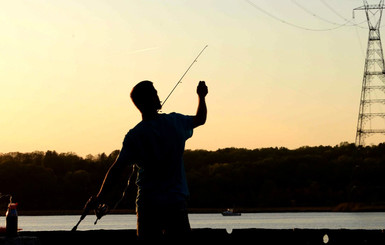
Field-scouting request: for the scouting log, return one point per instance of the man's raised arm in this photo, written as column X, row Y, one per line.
column 201, row 115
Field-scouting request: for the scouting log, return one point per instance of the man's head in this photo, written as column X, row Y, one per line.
column 145, row 97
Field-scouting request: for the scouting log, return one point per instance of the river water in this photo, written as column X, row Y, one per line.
column 308, row 220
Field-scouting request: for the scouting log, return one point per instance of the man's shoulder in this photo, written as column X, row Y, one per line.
column 182, row 121
column 176, row 115
column 135, row 130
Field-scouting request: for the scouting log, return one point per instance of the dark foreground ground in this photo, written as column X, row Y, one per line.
column 205, row 236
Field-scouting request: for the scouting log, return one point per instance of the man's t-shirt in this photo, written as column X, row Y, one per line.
column 156, row 147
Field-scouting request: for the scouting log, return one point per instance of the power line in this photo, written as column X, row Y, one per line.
column 317, row 16
column 342, row 17
column 332, row 9
column 289, row 23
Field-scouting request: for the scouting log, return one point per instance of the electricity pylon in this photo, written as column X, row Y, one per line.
column 371, row 116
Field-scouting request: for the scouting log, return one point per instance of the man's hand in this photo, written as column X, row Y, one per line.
column 202, row 89
column 100, row 211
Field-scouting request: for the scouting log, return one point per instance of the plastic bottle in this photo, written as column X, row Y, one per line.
column 11, row 220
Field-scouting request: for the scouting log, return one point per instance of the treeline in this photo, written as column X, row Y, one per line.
column 51, row 181
column 279, row 177
column 231, row 177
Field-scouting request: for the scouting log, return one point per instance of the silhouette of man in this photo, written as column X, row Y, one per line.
column 156, row 145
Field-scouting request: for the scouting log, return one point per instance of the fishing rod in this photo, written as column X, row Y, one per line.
column 180, row 80
column 102, row 209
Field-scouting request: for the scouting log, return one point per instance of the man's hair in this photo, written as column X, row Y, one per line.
column 141, row 94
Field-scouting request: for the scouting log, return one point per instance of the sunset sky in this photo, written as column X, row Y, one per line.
column 280, row 73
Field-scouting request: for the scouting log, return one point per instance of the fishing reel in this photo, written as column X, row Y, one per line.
column 100, row 211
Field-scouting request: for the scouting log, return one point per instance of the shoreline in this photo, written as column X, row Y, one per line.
column 344, row 207
column 214, row 236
